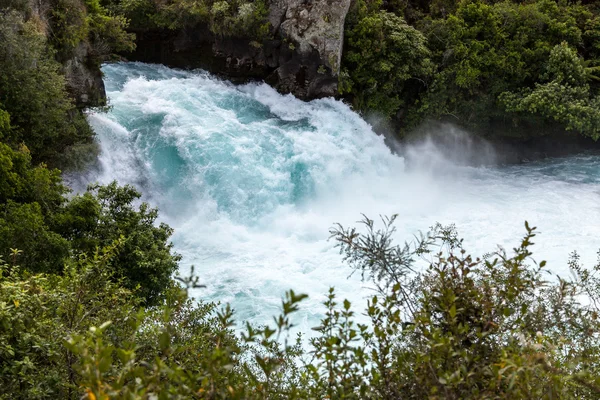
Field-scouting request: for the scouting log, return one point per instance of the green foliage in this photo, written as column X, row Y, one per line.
column 482, row 64
column 458, row 327
column 485, row 49
column 33, row 92
column 37, row 109
column 37, row 219
column 466, row 327
column 76, row 22
column 38, row 311
column 29, row 196
column 107, row 32
column 107, row 213
column 382, row 55
column 23, row 227
column 4, row 123
column 140, row 13
column 69, row 25
column 566, row 96
column 206, row 361
column 238, row 18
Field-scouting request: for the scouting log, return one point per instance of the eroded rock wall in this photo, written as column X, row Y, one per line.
column 84, row 78
column 314, row 30
column 82, row 73
column 302, row 56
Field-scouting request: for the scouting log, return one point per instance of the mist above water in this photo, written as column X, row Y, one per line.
column 252, row 181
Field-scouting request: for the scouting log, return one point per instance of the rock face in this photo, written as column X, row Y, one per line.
column 84, row 78
column 303, row 56
column 310, row 27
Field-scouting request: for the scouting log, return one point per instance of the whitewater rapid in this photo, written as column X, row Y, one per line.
column 252, row 180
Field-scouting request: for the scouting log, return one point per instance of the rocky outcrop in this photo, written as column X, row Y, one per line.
column 82, row 74
column 84, row 78
column 310, row 27
column 302, row 56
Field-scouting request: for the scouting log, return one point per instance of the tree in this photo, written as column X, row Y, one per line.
column 28, row 197
column 106, row 213
column 486, row 49
column 565, row 96
column 38, row 311
column 385, row 60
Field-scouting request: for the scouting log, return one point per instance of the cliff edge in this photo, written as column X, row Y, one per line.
column 301, row 55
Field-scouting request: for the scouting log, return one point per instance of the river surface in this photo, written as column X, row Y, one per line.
column 252, row 180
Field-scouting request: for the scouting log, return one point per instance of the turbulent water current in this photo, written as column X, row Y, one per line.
column 252, row 180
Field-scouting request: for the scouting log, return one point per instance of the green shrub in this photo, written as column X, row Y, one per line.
column 104, row 214
column 462, row 328
column 385, row 59
column 23, row 228
column 457, row 327
column 564, row 97
column 107, row 32
column 485, row 49
column 69, row 26
column 481, row 64
column 29, row 196
column 37, row 312
column 241, row 18
column 77, row 22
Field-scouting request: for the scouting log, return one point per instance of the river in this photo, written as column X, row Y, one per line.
column 252, row 180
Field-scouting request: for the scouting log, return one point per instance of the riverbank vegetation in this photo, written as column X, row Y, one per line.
column 40, row 223
column 516, row 68
column 457, row 327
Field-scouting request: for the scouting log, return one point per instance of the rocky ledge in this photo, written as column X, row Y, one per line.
column 301, row 57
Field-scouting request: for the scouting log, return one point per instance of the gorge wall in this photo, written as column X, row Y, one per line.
column 301, row 56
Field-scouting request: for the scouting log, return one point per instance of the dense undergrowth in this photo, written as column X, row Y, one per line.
column 241, row 18
column 40, row 223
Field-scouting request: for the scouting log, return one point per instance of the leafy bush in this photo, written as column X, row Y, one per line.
column 38, row 311
column 384, row 59
column 565, row 96
column 76, row 22
column 485, row 49
column 481, row 64
column 37, row 220
column 23, row 228
column 240, row 18
column 106, row 213
column 462, row 328
column 69, row 25
column 107, row 32
column 29, row 196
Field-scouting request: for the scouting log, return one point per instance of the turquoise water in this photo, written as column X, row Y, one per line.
column 252, row 181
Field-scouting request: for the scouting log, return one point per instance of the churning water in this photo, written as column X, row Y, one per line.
column 252, row 181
